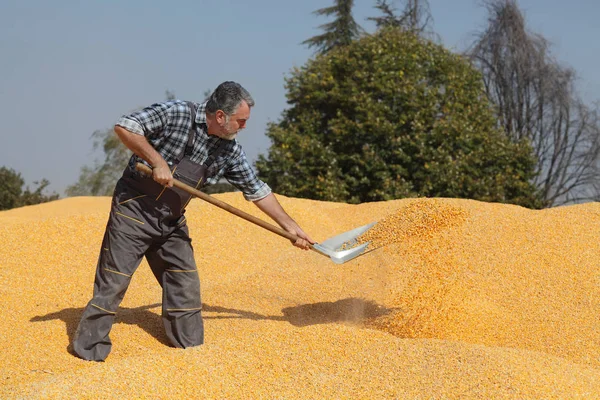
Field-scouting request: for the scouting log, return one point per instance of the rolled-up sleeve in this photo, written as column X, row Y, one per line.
column 241, row 175
column 261, row 193
column 130, row 125
column 148, row 120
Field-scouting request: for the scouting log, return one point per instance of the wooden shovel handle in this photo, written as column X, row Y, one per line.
column 251, row 218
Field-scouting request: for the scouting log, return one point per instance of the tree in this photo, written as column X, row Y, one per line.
column 37, row 196
column 536, row 100
column 392, row 116
column 11, row 184
column 100, row 179
column 12, row 194
column 415, row 17
column 340, row 32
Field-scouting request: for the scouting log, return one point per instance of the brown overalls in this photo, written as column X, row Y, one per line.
column 146, row 219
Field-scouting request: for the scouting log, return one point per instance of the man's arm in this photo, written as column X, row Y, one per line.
column 242, row 176
column 140, row 146
column 270, row 206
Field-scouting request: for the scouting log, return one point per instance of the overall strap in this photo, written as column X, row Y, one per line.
column 190, row 143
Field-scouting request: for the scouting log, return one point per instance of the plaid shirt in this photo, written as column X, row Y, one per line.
column 166, row 126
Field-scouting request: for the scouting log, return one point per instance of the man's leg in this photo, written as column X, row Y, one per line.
column 174, row 266
column 120, row 256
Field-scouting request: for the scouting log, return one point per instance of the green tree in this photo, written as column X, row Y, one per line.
column 12, row 194
column 392, row 116
column 340, row 32
column 100, row 179
column 37, row 196
column 11, row 184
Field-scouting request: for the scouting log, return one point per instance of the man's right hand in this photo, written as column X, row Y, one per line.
column 162, row 174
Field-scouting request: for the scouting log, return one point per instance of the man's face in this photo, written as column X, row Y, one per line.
column 230, row 125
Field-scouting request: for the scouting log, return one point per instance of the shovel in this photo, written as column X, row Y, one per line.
column 339, row 248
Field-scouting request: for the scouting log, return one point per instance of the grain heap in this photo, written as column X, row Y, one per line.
column 467, row 300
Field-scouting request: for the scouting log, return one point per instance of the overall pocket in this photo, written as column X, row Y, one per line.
column 190, row 173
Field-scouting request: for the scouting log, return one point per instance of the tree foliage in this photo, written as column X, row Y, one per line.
column 13, row 195
column 536, row 100
column 11, row 184
column 100, row 179
column 391, row 116
column 340, row 32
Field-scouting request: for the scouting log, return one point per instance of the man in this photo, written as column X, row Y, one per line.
column 196, row 144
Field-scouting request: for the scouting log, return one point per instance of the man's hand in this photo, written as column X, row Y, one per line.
column 304, row 241
column 162, row 174
column 270, row 206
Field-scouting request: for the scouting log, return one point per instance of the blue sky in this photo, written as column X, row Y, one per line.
column 69, row 68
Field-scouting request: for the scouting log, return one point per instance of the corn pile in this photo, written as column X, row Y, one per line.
column 455, row 299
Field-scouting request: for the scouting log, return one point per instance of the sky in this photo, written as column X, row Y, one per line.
column 70, row 67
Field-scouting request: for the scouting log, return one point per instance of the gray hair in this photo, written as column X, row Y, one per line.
column 227, row 97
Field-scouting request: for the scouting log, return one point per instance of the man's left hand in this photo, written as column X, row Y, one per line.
column 304, row 241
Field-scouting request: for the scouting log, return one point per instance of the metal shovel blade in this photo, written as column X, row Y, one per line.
column 334, row 247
